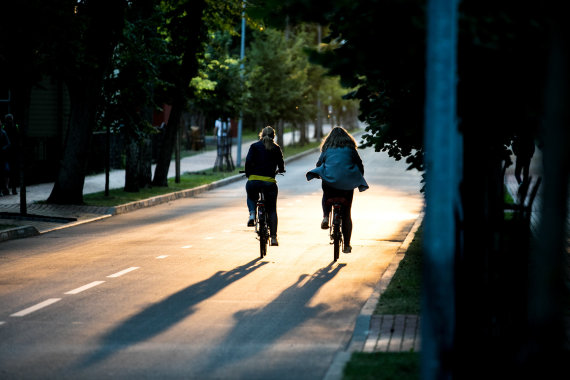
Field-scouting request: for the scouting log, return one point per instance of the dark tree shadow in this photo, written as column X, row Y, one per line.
column 165, row 314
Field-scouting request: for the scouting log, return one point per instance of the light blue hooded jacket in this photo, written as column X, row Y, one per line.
column 340, row 168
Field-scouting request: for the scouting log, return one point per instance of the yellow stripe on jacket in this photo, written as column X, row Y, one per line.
column 255, row 177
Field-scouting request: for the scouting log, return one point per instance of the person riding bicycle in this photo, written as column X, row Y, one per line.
column 341, row 171
column 264, row 159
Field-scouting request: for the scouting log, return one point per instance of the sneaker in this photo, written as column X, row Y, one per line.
column 274, row 241
column 325, row 223
column 251, row 220
column 346, row 249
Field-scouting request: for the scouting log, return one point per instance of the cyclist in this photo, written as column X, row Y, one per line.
column 341, row 171
column 264, row 159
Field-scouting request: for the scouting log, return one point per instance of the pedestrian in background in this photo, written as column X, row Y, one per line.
column 11, row 129
column 341, row 170
column 4, row 164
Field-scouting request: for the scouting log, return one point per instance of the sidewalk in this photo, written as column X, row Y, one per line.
column 63, row 216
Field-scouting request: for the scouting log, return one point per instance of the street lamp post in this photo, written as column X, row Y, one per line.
column 242, row 53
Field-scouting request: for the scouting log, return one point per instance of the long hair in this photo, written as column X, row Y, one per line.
column 338, row 137
column 267, row 135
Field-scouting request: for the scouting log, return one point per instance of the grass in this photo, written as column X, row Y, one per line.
column 402, row 296
column 404, row 291
column 6, row 226
column 383, row 366
column 187, row 181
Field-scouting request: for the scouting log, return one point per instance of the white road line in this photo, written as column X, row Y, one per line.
column 35, row 307
column 162, row 257
column 187, row 246
column 123, row 272
column 1, row 323
column 209, row 237
column 85, row 287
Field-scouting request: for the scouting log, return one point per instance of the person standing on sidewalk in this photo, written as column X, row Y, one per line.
column 263, row 161
column 341, row 170
column 4, row 164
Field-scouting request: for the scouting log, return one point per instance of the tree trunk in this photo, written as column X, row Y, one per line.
column 145, row 163
column 68, row 187
column 192, row 26
column 168, row 140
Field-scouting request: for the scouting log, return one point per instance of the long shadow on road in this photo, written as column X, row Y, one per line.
column 256, row 329
column 165, row 314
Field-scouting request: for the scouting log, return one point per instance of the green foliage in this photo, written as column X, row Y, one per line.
column 404, row 291
column 383, row 366
column 218, row 87
column 129, row 88
column 378, row 47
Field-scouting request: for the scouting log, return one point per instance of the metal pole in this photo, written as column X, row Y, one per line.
column 442, row 155
column 242, row 53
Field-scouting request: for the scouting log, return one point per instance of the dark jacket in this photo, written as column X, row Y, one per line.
column 263, row 162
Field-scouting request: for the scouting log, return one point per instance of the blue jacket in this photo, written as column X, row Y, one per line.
column 340, row 168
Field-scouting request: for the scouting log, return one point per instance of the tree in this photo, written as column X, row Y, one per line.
column 218, row 87
column 129, row 89
column 88, row 32
column 186, row 26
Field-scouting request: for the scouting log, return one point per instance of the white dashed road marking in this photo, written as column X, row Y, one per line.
column 162, row 257
column 187, row 246
column 123, row 272
column 1, row 323
column 85, row 287
column 36, row 307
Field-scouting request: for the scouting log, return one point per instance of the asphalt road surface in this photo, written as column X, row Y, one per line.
column 177, row 291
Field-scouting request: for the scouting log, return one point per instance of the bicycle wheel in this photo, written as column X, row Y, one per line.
column 336, row 245
column 337, row 237
column 263, row 236
column 262, row 246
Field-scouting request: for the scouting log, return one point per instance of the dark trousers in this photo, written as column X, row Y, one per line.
column 331, row 192
column 270, row 191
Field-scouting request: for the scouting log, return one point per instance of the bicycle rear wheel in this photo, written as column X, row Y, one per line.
column 263, row 238
column 336, row 244
column 337, row 235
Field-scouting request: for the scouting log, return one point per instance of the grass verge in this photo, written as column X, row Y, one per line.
column 383, row 366
column 402, row 296
column 187, row 181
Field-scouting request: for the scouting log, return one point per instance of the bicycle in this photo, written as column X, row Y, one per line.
column 335, row 226
column 261, row 223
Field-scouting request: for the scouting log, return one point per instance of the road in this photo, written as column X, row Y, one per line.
column 177, row 291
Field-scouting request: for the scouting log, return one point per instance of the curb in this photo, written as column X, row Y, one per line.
column 18, row 233
column 362, row 324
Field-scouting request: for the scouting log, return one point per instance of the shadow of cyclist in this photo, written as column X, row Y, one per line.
column 160, row 316
column 253, row 334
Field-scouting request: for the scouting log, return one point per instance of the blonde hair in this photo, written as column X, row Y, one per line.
column 338, row 137
column 267, row 135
